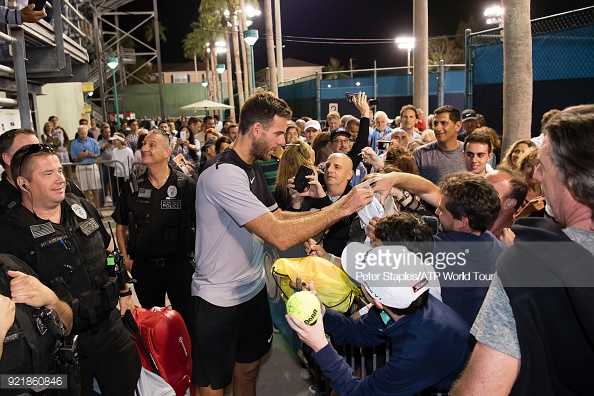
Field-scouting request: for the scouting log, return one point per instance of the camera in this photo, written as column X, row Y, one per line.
column 373, row 102
column 383, row 145
column 350, row 96
column 301, row 182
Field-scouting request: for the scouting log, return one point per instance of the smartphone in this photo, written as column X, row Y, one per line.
column 373, row 102
column 182, row 135
column 301, row 182
column 432, row 222
column 350, row 96
column 39, row 4
column 383, row 145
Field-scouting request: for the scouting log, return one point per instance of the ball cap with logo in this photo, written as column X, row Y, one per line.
column 339, row 132
column 404, row 291
column 468, row 114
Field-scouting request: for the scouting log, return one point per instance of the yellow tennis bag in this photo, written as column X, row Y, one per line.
column 332, row 284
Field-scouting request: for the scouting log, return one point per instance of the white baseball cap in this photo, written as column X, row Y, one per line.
column 312, row 124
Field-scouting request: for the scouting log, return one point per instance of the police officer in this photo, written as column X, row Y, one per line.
column 155, row 219
column 61, row 237
column 10, row 142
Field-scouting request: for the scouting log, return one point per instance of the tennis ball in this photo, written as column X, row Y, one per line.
column 305, row 306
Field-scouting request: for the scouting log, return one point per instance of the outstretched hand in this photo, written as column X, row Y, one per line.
column 30, row 16
column 312, row 335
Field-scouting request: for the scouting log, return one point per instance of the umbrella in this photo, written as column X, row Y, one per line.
column 206, row 105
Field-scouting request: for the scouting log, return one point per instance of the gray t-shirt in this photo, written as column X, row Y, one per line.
column 495, row 325
column 434, row 163
column 229, row 260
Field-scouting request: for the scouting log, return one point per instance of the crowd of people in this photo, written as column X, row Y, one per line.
column 195, row 200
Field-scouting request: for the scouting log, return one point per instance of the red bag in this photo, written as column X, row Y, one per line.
column 164, row 345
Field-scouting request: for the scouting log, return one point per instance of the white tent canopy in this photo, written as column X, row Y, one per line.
column 206, row 105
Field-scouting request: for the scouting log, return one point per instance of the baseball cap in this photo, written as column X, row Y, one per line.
column 339, row 131
column 208, row 143
column 312, row 124
column 358, row 259
column 468, row 114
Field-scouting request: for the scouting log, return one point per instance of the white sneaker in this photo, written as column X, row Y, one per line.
column 108, row 199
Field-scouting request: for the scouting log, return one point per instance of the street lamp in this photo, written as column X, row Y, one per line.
column 250, row 37
column 407, row 43
column 205, row 84
column 112, row 63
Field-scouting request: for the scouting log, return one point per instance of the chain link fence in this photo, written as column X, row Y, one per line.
column 562, row 62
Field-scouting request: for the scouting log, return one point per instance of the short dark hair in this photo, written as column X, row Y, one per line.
column 51, row 117
column 82, row 121
column 193, row 120
column 454, row 112
column 7, row 139
column 571, row 146
column 481, row 136
column 220, row 141
column 206, row 118
column 402, row 159
column 262, row 107
column 407, row 229
column 21, row 163
column 519, row 187
column 473, row 197
column 409, row 107
column 352, row 121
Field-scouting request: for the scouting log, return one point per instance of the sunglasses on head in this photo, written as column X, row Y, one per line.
column 32, row 150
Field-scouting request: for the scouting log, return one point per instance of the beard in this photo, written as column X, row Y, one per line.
column 260, row 151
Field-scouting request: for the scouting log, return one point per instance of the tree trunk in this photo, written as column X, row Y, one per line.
column 207, row 71
column 238, row 75
column 247, row 58
column 517, row 72
column 229, row 69
column 270, row 47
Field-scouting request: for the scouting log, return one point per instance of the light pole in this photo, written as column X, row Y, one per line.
column 494, row 15
column 407, row 43
column 112, row 63
column 251, row 36
column 220, row 69
column 205, row 84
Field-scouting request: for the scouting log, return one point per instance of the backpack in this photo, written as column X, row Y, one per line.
column 26, row 350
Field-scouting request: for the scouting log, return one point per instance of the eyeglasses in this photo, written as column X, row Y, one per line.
column 341, row 141
column 32, row 150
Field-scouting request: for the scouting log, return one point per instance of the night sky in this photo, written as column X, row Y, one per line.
column 377, row 19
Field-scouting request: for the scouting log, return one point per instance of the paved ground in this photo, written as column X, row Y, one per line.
column 280, row 374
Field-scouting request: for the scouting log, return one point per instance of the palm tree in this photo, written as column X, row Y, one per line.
column 334, row 66
column 149, row 32
column 517, row 71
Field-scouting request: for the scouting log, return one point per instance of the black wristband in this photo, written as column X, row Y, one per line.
column 127, row 293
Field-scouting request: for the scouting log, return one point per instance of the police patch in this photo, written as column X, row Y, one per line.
column 79, row 211
column 171, row 191
column 144, row 192
column 40, row 230
column 170, row 204
column 89, row 226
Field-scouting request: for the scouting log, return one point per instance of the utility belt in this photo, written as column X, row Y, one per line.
column 163, row 261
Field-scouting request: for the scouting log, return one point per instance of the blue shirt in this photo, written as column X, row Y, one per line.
column 77, row 147
column 376, row 135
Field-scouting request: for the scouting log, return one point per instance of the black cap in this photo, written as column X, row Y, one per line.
column 468, row 114
column 208, row 143
column 339, row 131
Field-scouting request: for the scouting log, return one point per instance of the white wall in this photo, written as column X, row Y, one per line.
column 64, row 100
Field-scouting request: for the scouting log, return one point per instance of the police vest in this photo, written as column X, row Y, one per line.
column 71, row 260
column 177, row 230
column 28, row 347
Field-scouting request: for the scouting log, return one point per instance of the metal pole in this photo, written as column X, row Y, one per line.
column 159, row 68
column 20, row 74
column 100, row 61
column 408, row 71
column 375, row 82
column 279, row 42
column 253, row 72
column 468, row 68
column 115, row 95
column 441, row 85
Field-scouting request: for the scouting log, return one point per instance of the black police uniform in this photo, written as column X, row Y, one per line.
column 10, row 195
column 161, row 225
column 70, row 258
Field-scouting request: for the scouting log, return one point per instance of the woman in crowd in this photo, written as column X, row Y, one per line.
column 515, row 152
column 187, row 147
column 296, row 153
column 534, row 203
column 222, row 143
column 322, row 148
column 49, row 137
column 291, row 133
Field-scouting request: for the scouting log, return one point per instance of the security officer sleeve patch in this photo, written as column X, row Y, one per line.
column 79, row 211
column 89, row 226
column 170, row 204
column 40, row 230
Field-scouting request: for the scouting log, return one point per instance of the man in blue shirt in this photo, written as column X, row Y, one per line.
column 84, row 149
